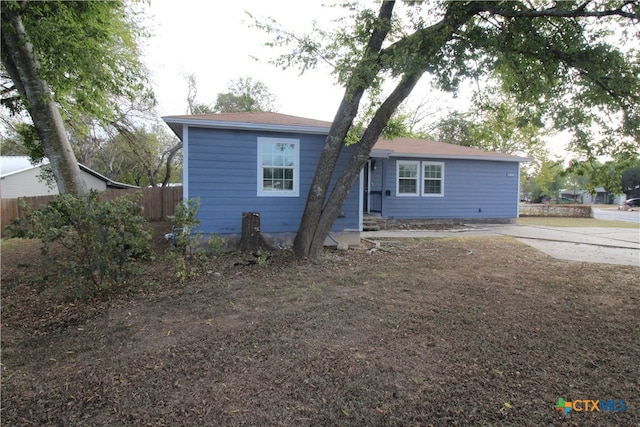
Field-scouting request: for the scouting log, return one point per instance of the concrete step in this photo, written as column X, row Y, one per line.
column 370, row 224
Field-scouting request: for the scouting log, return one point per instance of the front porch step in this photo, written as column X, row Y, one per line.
column 370, row 224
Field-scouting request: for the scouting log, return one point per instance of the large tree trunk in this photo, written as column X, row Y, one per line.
column 361, row 80
column 326, row 166
column 171, row 153
column 320, row 213
column 357, row 161
column 20, row 62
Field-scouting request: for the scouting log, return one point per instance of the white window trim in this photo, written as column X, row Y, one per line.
column 296, row 168
column 408, row 162
column 441, row 194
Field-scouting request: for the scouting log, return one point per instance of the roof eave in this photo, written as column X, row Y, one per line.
column 42, row 163
column 107, row 181
column 176, row 125
column 120, row 185
column 3, row 176
column 462, row 157
column 381, row 153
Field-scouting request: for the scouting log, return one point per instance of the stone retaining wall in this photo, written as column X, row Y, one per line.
column 568, row 211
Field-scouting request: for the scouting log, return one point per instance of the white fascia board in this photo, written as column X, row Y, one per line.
column 448, row 157
column 381, row 154
column 248, row 126
column 3, row 176
column 44, row 162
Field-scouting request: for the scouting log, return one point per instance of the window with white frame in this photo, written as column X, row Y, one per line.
column 408, row 173
column 433, row 178
column 278, row 167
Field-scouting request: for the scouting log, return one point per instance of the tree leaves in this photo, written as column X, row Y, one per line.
column 87, row 52
column 245, row 94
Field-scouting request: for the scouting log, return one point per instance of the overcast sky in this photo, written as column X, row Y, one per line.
column 213, row 40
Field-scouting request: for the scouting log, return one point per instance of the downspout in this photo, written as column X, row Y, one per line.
column 361, row 202
column 518, row 193
column 382, row 184
column 185, row 162
column 368, row 184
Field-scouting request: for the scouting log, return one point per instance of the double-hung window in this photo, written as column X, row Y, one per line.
column 433, row 178
column 278, row 167
column 408, row 178
column 417, row 178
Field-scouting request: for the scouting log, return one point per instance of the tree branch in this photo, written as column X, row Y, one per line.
column 579, row 12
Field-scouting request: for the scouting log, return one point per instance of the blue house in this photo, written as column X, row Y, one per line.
column 264, row 162
column 420, row 179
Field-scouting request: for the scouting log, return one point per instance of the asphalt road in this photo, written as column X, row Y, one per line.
column 617, row 215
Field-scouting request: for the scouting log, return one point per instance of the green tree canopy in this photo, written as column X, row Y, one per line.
column 245, row 95
column 496, row 122
column 64, row 59
column 455, row 128
column 547, row 180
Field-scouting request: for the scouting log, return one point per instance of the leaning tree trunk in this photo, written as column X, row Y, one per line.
column 326, row 166
column 317, row 224
column 171, row 153
column 357, row 161
column 20, row 62
column 361, row 79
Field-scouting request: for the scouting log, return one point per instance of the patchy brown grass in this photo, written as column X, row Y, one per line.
column 468, row 331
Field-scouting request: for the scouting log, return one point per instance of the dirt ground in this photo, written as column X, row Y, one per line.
column 421, row 332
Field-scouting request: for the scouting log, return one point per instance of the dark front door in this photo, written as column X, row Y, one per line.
column 365, row 199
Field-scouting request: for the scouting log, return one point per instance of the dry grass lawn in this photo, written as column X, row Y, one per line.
column 430, row 332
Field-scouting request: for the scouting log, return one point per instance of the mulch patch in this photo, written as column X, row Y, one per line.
column 464, row 331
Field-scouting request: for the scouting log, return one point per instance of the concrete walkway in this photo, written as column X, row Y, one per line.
column 589, row 244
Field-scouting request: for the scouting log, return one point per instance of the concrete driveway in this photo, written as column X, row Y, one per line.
column 589, row 244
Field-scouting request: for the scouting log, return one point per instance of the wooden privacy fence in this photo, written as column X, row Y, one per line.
column 157, row 202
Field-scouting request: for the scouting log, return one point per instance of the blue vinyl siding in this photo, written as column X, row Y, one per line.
column 223, row 174
column 473, row 189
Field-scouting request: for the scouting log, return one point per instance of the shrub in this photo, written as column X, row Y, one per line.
column 104, row 243
column 185, row 221
column 216, row 244
column 187, row 253
column 184, row 241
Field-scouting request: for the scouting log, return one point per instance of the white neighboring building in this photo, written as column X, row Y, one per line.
column 20, row 178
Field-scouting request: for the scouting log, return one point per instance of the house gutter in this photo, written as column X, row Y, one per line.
column 172, row 122
column 386, row 155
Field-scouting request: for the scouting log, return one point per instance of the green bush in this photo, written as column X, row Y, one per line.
column 100, row 243
column 216, row 244
column 188, row 255
column 184, row 241
column 185, row 221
